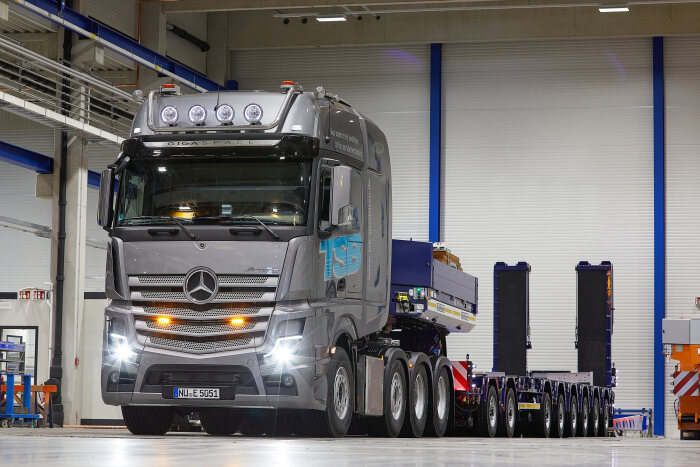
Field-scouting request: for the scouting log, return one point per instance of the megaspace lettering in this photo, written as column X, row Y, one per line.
column 343, row 256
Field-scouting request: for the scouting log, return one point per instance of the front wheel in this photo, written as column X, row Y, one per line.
column 335, row 420
column 219, row 423
column 147, row 420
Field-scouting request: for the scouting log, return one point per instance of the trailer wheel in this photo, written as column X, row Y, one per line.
column 506, row 426
column 147, row 420
column 572, row 417
column 583, row 417
column 219, row 423
column 543, row 418
column 603, row 431
column 560, row 418
column 488, row 415
column 594, row 422
column 417, row 414
column 440, row 407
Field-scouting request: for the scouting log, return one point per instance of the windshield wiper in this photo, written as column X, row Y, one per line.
column 177, row 221
column 238, row 218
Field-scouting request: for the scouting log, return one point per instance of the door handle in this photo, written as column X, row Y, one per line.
column 341, row 284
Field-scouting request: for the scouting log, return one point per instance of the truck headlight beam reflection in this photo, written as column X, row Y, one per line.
column 284, row 350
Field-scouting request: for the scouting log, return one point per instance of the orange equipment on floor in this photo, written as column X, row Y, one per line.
column 681, row 337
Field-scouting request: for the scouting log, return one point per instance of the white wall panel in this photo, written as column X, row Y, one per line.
column 25, row 259
column 548, row 159
column 682, row 82
column 183, row 51
column 121, row 15
column 388, row 85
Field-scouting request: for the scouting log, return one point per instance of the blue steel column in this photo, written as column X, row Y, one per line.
column 659, row 232
column 434, row 233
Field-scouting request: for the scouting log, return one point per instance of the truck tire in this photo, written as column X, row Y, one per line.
column 439, row 415
column 572, row 417
column 147, row 420
column 583, row 417
column 594, row 419
column 390, row 423
column 418, row 402
column 488, row 414
column 559, row 425
column 543, row 419
column 605, row 420
column 340, row 401
column 254, row 422
column 219, row 423
column 506, row 426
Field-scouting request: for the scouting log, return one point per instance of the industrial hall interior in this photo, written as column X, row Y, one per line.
column 392, row 232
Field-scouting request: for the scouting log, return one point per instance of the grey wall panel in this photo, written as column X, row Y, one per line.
column 682, row 69
column 120, row 15
column 548, row 159
column 183, row 51
column 391, row 86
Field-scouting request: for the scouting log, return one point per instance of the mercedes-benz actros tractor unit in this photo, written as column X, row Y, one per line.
column 253, row 280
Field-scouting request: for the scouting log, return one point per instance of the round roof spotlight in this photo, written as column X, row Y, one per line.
column 169, row 115
column 253, row 113
column 224, row 113
column 197, row 114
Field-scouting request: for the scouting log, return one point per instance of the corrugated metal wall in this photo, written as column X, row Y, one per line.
column 682, row 81
column 24, row 258
column 548, row 159
column 120, row 15
column 388, row 85
column 183, row 51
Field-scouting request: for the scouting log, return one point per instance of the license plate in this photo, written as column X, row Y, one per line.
column 195, row 393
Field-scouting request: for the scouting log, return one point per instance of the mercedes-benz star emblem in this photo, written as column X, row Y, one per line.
column 201, row 285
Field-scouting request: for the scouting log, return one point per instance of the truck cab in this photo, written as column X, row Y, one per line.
column 250, row 245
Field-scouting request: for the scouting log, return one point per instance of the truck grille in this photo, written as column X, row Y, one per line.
column 202, row 328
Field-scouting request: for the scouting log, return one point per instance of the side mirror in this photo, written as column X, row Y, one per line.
column 105, row 209
column 341, row 193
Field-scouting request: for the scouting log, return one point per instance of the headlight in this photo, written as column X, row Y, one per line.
column 197, row 114
column 169, row 115
column 253, row 113
column 225, row 113
column 283, row 351
column 119, row 348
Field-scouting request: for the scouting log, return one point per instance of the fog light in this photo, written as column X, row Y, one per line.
column 253, row 113
column 169, row 115
column 224, row 113
column 287, row 381
column 197, row 114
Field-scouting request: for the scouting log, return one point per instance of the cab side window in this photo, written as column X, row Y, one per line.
column 324, row 204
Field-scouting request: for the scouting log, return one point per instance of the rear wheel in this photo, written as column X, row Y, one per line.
column 572, row 425
column 559, row 425
column 488, row 415
column 219, row 423
column 506, row 426
column 390, row 423
column 605, row 419
column 147, row 420
column 543, row 418
column 417, row 415
column 440, row 407
column 335, row 420
column 583, row 417
column 594, row 422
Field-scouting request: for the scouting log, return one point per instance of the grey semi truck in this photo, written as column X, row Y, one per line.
column 253, row 280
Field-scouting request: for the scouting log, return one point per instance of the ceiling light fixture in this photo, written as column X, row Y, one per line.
column 613, row 9
column 330, row 18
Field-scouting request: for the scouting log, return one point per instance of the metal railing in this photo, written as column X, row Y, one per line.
column 64, row 88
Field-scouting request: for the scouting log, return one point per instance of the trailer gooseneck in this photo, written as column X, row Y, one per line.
column 253, row 280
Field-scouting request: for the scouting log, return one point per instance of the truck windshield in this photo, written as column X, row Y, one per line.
column 215, row 190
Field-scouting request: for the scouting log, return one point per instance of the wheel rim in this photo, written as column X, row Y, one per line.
column 574, row 416
column 510, row 413
column 560, row 415
column 606, row 420
column 547, row 415
column 584, row 415
column 419, row 396
column 596, row 416
column 396, row 396
column 340, row 392
column 441, row 397
column 493, row 413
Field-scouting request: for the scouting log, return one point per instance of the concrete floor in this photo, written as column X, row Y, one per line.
column 104, row 447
